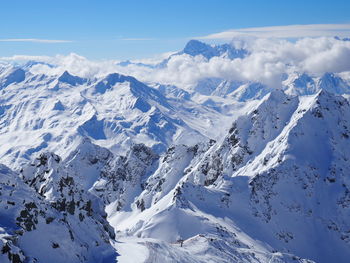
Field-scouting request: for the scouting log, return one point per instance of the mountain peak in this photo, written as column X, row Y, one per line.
column 333, row 83
column 15, row 75
column 277, row 95
column 110, row 80
column 196, row 47
column 324, row 97
column 66, row 77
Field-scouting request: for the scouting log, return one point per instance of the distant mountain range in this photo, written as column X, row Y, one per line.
column 109, row 168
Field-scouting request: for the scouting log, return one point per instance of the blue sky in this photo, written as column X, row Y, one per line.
column 100, row 29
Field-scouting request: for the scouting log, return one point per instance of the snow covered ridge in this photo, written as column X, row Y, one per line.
column 54, row 113
column 57, row 110
column 105, row 167
column 274, row 189
column 56, row 205
column 273, row 178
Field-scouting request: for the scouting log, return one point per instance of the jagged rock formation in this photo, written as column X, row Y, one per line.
column 35, row 228
column 273, row 177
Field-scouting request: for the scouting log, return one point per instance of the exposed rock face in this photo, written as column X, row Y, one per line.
column 31, row 221
column 273, row 176
column 123, row 178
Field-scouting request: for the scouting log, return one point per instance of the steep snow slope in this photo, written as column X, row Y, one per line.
column 276, row 184
column 280, row 176
column 78, row 187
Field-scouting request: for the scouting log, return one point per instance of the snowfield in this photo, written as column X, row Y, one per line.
column 109, row 168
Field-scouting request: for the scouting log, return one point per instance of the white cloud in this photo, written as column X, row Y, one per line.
column 27, row 58
column 74, row 63
column 35, row 40
column 155, row 59
column 290, row 31
column 267, row 62
column 78, row 65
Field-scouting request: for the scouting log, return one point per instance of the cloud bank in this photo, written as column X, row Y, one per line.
column 267, row 62
column 290, row 31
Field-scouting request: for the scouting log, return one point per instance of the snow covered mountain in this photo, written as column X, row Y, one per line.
column 107, row 168
column 56, row 112
column 294, row 84
column 270, row 179
column 303, row 84
column 195, row 48
column 38, row 228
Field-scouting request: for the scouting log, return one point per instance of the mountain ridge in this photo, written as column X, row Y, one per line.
column 108, row 168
